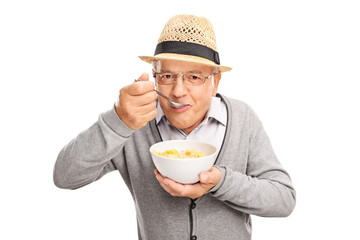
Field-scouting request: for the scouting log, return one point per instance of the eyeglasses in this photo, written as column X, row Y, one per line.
column 190, row 79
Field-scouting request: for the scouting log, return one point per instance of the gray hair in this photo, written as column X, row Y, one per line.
column 156, row 65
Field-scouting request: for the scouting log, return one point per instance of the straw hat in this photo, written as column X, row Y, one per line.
column 188, row 38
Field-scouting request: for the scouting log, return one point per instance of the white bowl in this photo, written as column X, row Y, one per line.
column 183, row 170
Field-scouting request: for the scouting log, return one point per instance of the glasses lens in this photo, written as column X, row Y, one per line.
column 194, row 79
column 165, row 78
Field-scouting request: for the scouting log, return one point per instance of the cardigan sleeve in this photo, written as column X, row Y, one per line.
column 265, row 189
column 88, row 156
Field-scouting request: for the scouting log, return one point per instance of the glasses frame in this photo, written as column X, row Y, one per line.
column 183, row 78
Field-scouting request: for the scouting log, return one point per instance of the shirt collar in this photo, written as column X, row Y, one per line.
column 217, row 111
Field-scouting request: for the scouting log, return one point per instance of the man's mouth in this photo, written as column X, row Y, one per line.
column 181, row 109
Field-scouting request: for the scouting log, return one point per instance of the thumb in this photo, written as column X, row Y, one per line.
column 204, row 178
column 213, row 176
column 143, row 77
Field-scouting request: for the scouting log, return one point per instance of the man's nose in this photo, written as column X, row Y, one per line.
column 179, row 88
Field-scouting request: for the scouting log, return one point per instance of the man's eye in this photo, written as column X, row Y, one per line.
column 193, row 77
column 167, row 76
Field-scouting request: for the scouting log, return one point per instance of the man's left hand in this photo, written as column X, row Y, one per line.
column 208, row 180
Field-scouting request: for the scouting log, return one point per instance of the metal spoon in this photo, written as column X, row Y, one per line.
column 173, row 104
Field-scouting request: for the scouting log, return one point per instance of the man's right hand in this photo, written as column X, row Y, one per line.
column 136, row 105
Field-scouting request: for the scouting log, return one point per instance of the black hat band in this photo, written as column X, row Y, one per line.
column 188, row 48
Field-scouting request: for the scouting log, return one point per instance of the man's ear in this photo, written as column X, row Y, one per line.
column 217, row 78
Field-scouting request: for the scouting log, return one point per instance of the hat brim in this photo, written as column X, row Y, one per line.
column 186, row 58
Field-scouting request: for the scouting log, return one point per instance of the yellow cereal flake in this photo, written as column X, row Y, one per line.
column 173, row 153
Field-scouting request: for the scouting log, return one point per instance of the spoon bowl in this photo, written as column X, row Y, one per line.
column 173, row 104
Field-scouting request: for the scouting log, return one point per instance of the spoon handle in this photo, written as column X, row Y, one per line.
column 176, row 105
column 161, row 94
column 137, row 80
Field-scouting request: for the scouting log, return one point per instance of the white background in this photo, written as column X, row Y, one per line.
column 62, row 64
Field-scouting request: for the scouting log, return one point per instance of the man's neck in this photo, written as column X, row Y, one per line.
column 190, row 129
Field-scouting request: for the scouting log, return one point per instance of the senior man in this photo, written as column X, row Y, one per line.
column 246, row 178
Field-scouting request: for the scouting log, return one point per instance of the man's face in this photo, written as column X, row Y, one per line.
column 198, row 97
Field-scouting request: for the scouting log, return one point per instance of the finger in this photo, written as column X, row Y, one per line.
column 142, row 87
column 177, row 189
column 144, row 99
column 157, row 175
column 143, row 77
column 140, row 120
column 168, row 184
column 139, row 88
column 145, row 109
column 132, row 104
column 161, row 179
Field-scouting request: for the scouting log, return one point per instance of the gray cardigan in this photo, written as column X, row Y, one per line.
column 253, row 181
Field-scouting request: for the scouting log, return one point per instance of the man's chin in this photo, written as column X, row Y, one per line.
column 179, row 125
column 186, row 127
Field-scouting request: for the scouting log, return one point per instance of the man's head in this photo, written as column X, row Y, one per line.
column 196, row 88
column 187, row 45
